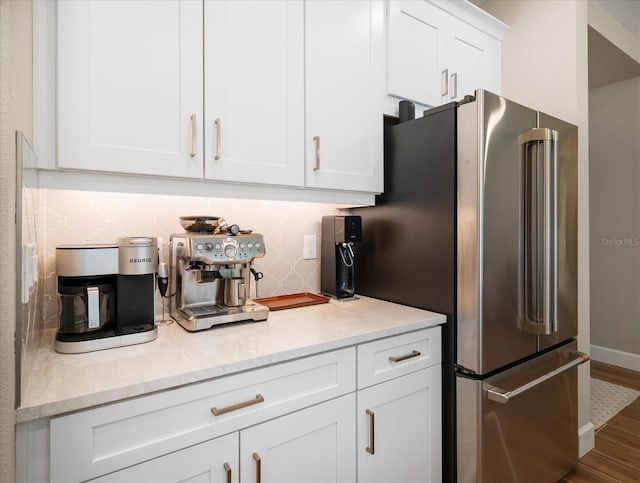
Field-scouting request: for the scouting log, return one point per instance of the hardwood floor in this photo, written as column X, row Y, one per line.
column 616, row 456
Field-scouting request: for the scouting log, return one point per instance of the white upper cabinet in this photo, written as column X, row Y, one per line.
column 130, row 86
column 473, row 62
column 441, row 50
column 344, row 94
column 417, row 50
column 254, row 91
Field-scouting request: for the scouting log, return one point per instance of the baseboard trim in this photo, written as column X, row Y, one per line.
column 616, row 357
column 586, row 439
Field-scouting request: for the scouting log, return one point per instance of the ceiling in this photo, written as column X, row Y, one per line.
column 626, row 11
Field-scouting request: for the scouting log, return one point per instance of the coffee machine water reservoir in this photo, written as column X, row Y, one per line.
column 105, row 294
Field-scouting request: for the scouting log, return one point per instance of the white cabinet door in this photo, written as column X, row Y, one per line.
column 312, row 445
column 441, row 50
column 473, row 60
column 400, row 429
column 130, row 86
column 254, row 91
column 345, row 92
column 214, row 461
column 417, row 50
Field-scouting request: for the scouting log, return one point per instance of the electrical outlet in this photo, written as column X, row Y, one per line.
column 310, row 247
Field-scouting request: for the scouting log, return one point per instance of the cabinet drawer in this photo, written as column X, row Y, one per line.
column 97, row 441
column 385, row 359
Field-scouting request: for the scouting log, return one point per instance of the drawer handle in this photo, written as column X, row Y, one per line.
column 217, row 412
column 256, row 458
column 405, row 357
column 227, row 470
column 372, row 427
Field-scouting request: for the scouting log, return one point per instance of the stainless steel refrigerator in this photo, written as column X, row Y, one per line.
column 479, row 221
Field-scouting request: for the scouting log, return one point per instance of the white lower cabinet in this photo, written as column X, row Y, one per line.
column 400, row 429
column 399, row 414
column 312, row 445
column 214, row 461
column 315, row 444
column 314, row 419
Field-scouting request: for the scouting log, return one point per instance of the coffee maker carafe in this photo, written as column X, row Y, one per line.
column 211, row 273
column 105, row 295
column 337, row 262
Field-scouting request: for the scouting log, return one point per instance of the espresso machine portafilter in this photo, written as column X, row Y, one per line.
column 337, row 259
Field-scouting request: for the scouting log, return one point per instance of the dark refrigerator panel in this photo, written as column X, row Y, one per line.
column 408, row 241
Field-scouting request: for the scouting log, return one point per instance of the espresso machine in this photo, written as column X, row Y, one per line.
column 211, row 272
column 105, row 294
column 337, row 258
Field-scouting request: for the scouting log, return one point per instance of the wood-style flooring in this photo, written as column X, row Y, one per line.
column 616, row 456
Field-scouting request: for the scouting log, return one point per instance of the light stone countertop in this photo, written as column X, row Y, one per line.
column 61, row 383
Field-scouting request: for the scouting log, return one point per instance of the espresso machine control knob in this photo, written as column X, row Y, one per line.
column 230, row 251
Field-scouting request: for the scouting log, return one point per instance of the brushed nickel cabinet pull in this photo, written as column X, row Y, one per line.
column 454, row 81
column 317, row 140
column 227, row 470
column 256, row 458
column 372, row 427
column 444, row 82
column 193, row 135
column 218, row 130
column 234, row 407
column 405, row 357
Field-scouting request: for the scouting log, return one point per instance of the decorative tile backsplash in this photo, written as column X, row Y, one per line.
column 73, row 217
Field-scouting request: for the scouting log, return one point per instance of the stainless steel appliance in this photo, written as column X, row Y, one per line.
column 211, row 272
column 479, row 221
column 337, row 258
column 105, row 294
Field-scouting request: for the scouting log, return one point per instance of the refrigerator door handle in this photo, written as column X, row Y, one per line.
column 538, row 299
column 503, row 396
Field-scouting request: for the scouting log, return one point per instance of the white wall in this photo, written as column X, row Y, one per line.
column 15, row 114
column 614, row 165
column 544, row 66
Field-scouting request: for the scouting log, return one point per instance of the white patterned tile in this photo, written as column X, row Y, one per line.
column 97, row 217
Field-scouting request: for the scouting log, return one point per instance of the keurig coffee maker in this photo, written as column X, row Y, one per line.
column 337, row 262
column 106, row 294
